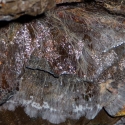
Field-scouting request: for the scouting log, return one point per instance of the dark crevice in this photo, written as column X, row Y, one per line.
column 50, row 73
column 68, row 4
column 23, row 19
column 89, row 1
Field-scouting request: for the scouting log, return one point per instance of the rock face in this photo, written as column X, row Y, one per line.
column 114, row 6
column 12, row 9
column 67, row 64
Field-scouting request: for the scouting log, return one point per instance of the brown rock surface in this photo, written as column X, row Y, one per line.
column 114, row 6
column 12, row 9
column 67, row 64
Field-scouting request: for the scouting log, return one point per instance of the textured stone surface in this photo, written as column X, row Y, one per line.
column 67, row 64
column 114, row 6
column 12, row 9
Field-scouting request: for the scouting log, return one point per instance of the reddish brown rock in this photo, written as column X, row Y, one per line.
column 12, row 9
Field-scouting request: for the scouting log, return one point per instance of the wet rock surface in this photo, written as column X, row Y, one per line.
column 68, row 63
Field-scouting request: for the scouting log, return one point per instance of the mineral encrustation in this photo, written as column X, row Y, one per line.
column 67, row 64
